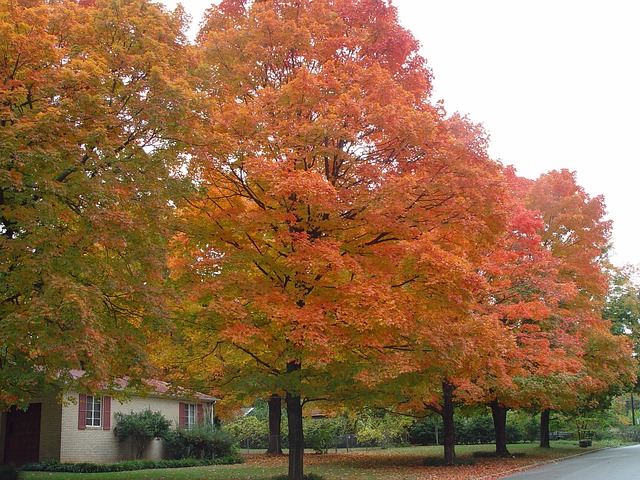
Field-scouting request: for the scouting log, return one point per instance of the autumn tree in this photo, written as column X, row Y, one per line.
column 622, row 309
column 576, row 232
column 537, row 357
column 275, row 424
column 495, row 333
column 543, row 284
column 89, row 97
column 523, row 292
column 622, row 305
column 455, row 342
column 322, row 168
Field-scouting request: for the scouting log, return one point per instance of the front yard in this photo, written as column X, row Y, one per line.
column 397, row 463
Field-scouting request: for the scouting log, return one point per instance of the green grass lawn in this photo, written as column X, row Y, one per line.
column 397, row 463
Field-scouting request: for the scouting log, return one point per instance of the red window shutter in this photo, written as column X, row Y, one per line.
column 82, row 411
column 181, row 415
column 106, row 412
column 200, row 414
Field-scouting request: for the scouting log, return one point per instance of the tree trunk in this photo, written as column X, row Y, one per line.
column 448, row 429
column 275, row 422
column 544, row 428
column 296, row 434
column 139, row 442
column 499, row 414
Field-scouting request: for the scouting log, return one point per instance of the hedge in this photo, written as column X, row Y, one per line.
column 55, row 466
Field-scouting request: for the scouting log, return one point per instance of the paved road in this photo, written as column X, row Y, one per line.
column 611, row 464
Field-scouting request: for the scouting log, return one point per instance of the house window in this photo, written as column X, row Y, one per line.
column 94, row 411
column 190, row 417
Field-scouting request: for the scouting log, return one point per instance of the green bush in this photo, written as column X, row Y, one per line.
column 141, row 427
column 206, row 441
column 379, row 428
column 473, row 430
column 514, row 433
column 522, row 427
column 10, row 472
column 55, row 466
column 251, row 428
column 633, row 433
column 320, row 433
column 372, row 427
column 424, row 432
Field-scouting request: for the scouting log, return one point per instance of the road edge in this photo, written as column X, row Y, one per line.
column 495, row 476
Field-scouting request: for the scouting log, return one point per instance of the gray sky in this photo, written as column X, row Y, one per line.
column 556, row 83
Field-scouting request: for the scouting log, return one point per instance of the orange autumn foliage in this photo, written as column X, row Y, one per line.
column 90, row 102
column 330, row 184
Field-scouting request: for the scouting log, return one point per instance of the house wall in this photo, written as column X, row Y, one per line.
column 101, row 446
column 50, row 428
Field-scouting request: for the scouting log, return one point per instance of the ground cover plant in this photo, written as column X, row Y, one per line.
column 397, row 463
column 128, row 465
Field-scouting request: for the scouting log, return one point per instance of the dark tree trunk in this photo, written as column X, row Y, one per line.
column 544, row 428
column 296, row 434
column 499, row 414
column 448, row 433
column 275, row 422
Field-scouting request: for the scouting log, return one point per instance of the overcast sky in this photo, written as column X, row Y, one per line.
column 556, row 83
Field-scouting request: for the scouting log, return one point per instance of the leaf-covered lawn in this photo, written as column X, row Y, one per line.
column 400, row 464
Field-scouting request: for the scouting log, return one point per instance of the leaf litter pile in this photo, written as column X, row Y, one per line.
column 408, row 465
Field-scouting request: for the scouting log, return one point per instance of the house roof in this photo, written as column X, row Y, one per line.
column 159, row 387
column 164, row 388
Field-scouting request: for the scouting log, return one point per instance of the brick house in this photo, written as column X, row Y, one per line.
column 80, row 430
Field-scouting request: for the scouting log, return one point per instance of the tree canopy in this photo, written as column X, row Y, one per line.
column 281, row 208
column 91, row 105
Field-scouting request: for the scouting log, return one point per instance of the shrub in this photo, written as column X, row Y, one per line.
column 514, row 433
column 633, row 433
column 55, row 466
column 320, row 433
column 475, row 430
column 527, row 425
column 424, row 432
column 249, row 427
column 369, row 436
column 376, row 427
column 206, row 441
column 10, row 472
column 141, row 427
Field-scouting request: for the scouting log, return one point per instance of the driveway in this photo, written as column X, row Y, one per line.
column 621, row 463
